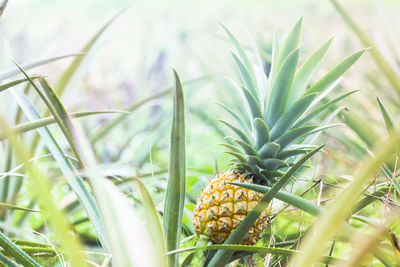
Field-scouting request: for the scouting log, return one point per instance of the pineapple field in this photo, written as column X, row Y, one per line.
column 199, row 133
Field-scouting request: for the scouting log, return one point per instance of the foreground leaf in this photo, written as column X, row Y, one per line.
column 42, row 189
column 129, row 240
column 327, row 225
column 175, row 196
column 68, row 170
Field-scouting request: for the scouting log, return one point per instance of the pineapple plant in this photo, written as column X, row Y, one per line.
column 275, row 129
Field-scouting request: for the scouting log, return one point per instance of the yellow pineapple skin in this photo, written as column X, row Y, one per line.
column 222, row 206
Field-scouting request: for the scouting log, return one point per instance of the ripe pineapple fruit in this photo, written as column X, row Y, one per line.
column 275, row 130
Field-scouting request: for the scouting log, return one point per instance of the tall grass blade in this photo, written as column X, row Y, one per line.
column 129, row 239
column 71, row 71
column 28, row 66
column 362, row 129
column 42, row 189
column 116, row 121
column 32, row 125
column 175, row 196
column 255, row 249
column 379, row 59
column 68, row 170
column 17, row 253
column 5, row 86
column 335, row 73
column 303, row 75
column 153, row 222
column 7, row 262
column 327, row 225
column 3, row 7
column 386, row 116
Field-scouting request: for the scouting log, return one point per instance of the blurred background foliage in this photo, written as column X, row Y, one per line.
column 133, row 61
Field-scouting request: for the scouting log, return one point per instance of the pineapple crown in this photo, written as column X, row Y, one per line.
column 280, row 107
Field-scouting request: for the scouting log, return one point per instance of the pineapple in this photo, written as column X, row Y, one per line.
column 275, row 130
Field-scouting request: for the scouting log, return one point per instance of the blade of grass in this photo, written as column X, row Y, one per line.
column 255, row 249
column 32, row 125
column 42, row 189
column 72, row 69
column 129, row 240
column 68, row 170
column 386, row 116
column 14, row 207
column 303, row 75
column 117, row 121
column 57, row 109
column 7, row 262
column 28, row 66
column 175, row 195
column 326, row 226
column 363, row 246
column 379, row 59
column 5, row 86
column 358, row 125
column 335, row 73
column 17, row 253
column 3, row 7
column 154, row 223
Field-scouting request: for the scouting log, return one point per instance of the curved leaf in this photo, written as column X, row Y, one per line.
column 335, row 73
column 291, row 115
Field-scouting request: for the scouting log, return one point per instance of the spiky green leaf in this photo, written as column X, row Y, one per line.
column 291, row 42
column 386, row 116
column 281, row 89
column 245, row 127
column 239, row 133
column 320, row 109
column 248, row 149
column 269, row 150
column 261, row 133
column 303, row 76
column 335, row 73
column 247, row 79
column 273, row 164
column 291, row 115
column 294, row 134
